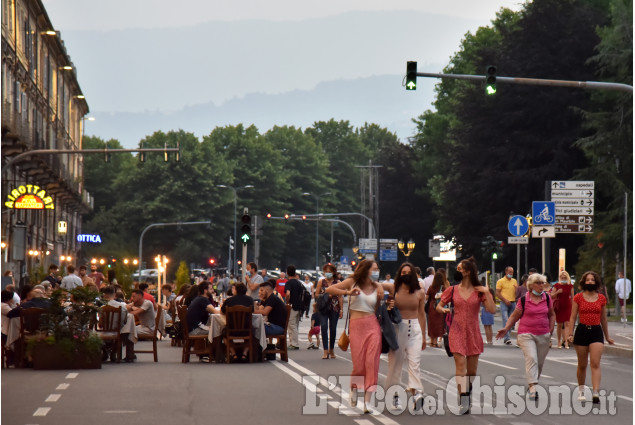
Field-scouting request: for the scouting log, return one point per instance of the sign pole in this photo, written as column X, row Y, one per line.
column 543, row 256
column 518, row 262
column 244, row 261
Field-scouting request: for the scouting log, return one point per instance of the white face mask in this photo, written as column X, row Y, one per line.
column 328, row 275
column 374, row 275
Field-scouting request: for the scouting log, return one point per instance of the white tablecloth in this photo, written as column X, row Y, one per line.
column 217, row 323
column 13, row 334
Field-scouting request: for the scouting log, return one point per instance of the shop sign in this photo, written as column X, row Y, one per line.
column 29, row 197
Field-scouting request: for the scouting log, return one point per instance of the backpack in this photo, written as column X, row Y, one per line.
column 305, row 298
column 522, row 302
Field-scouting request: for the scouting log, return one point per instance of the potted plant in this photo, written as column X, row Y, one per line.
column 67, row 340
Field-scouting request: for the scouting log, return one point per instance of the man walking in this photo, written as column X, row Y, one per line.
column 71, row 280
column 506, row 292
column 253, row 280
column 293, row 295
column 623, row 291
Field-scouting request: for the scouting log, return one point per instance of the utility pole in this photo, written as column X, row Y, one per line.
column 373, row 199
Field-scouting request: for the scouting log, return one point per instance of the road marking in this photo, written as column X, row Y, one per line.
column 546, row 376
column 62, row 386
column 121, row 411
column 574, row 363
column 288, row 372
column 72, row 375
column 626, row 398
column 498, row 364
column 363, row 422
column 52, row 398
column 41, row 411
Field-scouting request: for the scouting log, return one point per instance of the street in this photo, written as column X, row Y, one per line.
column 272, row 392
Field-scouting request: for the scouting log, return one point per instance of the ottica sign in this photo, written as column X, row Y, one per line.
column 29, row 197
column 89, row 238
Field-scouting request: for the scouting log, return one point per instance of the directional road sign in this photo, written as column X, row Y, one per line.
column 517, row 240
column 574, row 228
column 574, row 211
column 543, row 213
column 572, row 193
column 573, row 184
column 575, row 204
column 518, row 225
column 543, row 231
column 574, row 219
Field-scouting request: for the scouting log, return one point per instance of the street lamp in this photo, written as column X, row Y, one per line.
column 410, row 245
column 235, row 189
column 317, row 224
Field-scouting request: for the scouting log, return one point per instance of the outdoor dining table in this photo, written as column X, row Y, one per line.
column 217, row 323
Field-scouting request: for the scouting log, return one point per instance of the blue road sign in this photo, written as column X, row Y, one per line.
column 518, row 225
column 344, row 259
column 543, row 213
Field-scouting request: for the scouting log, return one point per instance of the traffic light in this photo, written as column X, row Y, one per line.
column 231, row 243
column 268, row 216
column 494, row 256
column 165, row 152
column 304, row 217
column 286, row 218
column 353, row 263
column 246, row 229
column 411, row 75
column 490, row 80
column 212, row 262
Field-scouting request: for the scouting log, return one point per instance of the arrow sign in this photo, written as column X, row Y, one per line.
column 245, row 238
column 411, row 85
column 518, row 225
column 543, row 231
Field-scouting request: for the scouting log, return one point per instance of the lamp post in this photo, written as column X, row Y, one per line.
column 235, row 189
column 410, row 245
column 317, row 224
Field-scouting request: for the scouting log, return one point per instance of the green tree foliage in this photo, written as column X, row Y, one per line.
column 182, row 276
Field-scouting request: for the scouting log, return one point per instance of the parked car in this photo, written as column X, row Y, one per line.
column 147, row 275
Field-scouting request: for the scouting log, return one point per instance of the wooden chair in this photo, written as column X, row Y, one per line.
column 29, row 329
column 189, row 342
column 153, row 337
column 239, row 328
column 176, row 341
column 109, row 327
column 281, row 346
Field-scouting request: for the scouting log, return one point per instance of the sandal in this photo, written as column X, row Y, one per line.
column 331, row 354
column 325, row 356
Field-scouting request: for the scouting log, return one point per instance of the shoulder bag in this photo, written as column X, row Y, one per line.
column 344, row 340
column 448, row 323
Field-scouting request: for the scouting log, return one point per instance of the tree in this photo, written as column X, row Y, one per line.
column 182, row 276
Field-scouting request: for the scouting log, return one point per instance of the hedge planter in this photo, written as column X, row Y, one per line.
column 55, row 356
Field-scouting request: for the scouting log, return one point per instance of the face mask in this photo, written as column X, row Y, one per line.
column 328, row 275
column 374, row 275
column 536, row 293
column 405, row 277
column 591, row 287
column 509, row 276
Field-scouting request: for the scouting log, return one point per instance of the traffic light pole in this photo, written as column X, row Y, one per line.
column 597, row 85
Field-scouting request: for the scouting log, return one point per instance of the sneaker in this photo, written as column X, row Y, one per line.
column 311, row 346
column 293, row 347
column 581, row 396
column 596, row 398
column 508, row 342
column 396, row 404
column 417, row 401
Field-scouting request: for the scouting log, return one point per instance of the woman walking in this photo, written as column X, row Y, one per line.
column 364, row 333
column 466, row 343
column 436, row 320
column 410, row 300
column 329, row 318
column 589, row 336
column 562, row 294
column 536, row 315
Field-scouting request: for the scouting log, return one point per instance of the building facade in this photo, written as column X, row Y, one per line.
column 43, row 108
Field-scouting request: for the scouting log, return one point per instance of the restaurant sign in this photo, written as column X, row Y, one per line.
column 29, row 197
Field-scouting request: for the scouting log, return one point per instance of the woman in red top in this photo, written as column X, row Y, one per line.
column 590, row 333
column 466, row 342
column 562, row 294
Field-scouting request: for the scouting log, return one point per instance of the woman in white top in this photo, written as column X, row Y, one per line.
column 364, row 333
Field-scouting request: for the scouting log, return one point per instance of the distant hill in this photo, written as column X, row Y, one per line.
column 378, row 99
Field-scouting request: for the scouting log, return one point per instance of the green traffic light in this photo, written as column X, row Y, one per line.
column 494, row 256
column 411, row 75
column 245, row 238
column 490, row 89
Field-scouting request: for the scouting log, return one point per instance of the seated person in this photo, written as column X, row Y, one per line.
column 144, row 287
column 239, row 297
column 272, row 307
column 108, row 297
column 7, row 305
column 144, row 311
column 166, row 290
column 34, row 297
column 199, row 310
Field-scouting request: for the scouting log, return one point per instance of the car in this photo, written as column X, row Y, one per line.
column 146, row 275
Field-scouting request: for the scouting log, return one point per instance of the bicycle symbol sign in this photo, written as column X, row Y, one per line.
column 543, row 213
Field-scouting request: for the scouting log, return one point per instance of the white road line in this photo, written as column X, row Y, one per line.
column 62, row 386
column 363, row 422
column 498, row 364
column 288, row 372
column 572, row 363
column 72, row 375
column 52, row 398
column 121, row 411
column 626, row 398
column 41, row 411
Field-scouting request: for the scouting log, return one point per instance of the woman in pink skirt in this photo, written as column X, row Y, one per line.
column 364, row 333
column 466, row 343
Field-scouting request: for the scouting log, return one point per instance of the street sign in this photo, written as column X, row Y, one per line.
column 572, row 202
column 574, row 211
column 574, row 184
column 582, row 194
column 543, row 213
column 434, row 248
column 388, row 249
column 517, row 240
column 344, row 259
column 574, row 219
column 543, row 232
column 367, row 246
column 518, row 225
column 574, row 228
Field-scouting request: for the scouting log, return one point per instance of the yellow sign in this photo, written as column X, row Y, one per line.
column 29, row 197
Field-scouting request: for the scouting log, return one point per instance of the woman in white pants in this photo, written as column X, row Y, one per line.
column 410, row 299
column 536, row 317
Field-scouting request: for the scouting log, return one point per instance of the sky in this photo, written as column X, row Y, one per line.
column 162, row 56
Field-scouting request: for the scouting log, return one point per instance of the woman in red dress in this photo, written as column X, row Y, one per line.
column 562, row 294
column 466, row 343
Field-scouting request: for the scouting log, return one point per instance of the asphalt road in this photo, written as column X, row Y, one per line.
column 274, row 392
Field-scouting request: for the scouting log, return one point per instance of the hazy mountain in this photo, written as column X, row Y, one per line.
column 380, row 99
